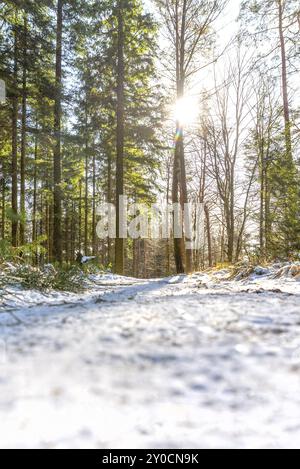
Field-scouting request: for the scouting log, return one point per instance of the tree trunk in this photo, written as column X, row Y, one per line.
column 80, row 217
column 23, row 137
column 57, row 170
column 3, row 205
column 94, row 207
column 86, row 196
column 168, row 250
column 230, row 232
column 145, row 259
column 67, row 234
column 73, row 231
column 34, row 213
column 187, row 215
column 109, row 199
column 179, row 176
column 286, row 108
column 178, row 251
column 268, row 223
column 119, row 248
column 262, row 234
column 14, row 169
column 208, row 230
column 135, row 259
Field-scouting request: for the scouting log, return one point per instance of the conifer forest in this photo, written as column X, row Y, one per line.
column 149, row 223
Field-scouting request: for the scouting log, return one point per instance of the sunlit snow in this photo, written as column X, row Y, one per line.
column 182, row 362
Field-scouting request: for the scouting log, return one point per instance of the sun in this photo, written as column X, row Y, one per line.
column 186, row 110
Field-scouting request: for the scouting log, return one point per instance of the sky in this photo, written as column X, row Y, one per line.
column 226, row 23
column 226, row 27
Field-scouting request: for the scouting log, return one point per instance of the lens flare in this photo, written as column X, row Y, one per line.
column 185, row 110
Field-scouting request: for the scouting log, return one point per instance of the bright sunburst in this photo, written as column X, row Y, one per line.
column 185, row 110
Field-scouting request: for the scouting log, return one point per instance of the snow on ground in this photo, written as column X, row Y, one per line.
column 183, row 362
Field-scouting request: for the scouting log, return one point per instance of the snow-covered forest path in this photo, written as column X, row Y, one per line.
column 181, row 362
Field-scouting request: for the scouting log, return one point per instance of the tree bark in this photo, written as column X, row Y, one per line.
column 23, row 137
column 67, row 233
column 179, row 174
column 34, row 213
column 14, row 169
column 3, row 205
column 179, row 146
column 262, row 231
column 86, row 195
column 178, row 245
column 109, row 256
column 208, row 230
column 119, row 247
column 73, row 231
column 57, row 169
column 80, row 217
column 286, row 107
column 94, row 239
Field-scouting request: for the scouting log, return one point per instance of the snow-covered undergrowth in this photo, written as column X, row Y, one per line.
column 26, row 286
column 207, row 360
column 277, row 277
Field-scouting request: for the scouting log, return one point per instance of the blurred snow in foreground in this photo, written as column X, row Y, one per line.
column 198, row 361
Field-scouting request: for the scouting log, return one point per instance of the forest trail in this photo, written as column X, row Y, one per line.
column 179, row 362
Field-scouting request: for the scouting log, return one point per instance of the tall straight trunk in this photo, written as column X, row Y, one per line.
column 86, row 198
column 222, row 244
column 40, row 227
column 109, row 198
column 206, row 209
column 208, row 230
column 67, row 234
column 103, row 252
column 57, row 170
column 230, row 246
column 94, row 206
column 34, row 209
column 268, row 223
column 34, row 225
column 50, row 229
column 230, row 233
column 145, row 258
column 231, row 217
column 178, row 244
column 3, row 206
column 80, row 217
column 14, row 168
column 286, row 107
column 184, row 202
column 73, row 231
column 168, row 251
column 135, row 258
column 179, row 176
column 183, row 182
column 119, row 247
column 262, row 233
column 23, row 137
column 262, row 220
